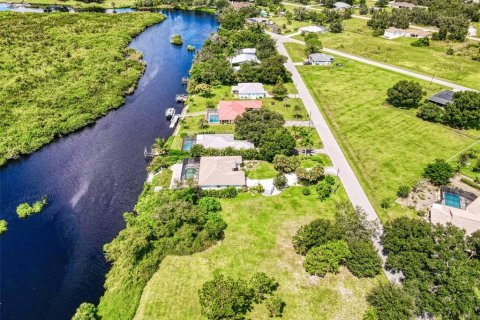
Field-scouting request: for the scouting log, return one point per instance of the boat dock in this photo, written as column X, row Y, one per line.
column 174, row 121
column 148, row 154
column 185, row 80
column 181, row 98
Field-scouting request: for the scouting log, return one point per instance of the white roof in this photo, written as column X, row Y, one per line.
column 313, row 29
column 468, row 219
column 242, row 58
column 222, row 141
column 320, row 57
column 249, row 88
column 221, row 171
column 340, row 5
column 247, row 51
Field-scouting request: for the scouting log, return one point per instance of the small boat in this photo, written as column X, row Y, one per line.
column 169, row 113
column 174, row 121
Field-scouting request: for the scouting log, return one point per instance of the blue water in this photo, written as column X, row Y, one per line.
column 213, row 118
column 187, row 145
column 53, row 261
column 452, row 200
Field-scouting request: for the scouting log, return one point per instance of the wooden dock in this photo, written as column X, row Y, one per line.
column 181, row 98
column 185, row 80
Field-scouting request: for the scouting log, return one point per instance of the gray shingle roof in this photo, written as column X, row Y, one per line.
column 442, row 97
column 320, row 57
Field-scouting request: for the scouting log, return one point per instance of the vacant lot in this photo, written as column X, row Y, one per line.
column 357, row 39
column 258, row 238
column 387, row 147
column 61, row 71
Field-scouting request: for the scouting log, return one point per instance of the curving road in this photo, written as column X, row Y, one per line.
column 344, row 171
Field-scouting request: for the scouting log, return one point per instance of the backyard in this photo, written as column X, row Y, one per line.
column 259, row 238
column 387, row 147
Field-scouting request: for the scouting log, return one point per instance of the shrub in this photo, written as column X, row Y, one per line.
column 86, row 311
column 422, row 42
column 405, row 94
column 262, row 286
column 285, row 164
column 275, row 142
column 403, row 191
column 275, row 306
column 225, row 298
column 325, row 188
column 430, row 112
column 24, row 210
column 257, row 189
column 386, row 203
column 391, row 302
column 438, row 172
column 316, row 233
column 336, row 27
column 326, row 258
column 464, row 112
column 306, row 191
column 225, row 193
column 309, row 177
column 364, row 261
column 471, row 183
column 209, row 204
column 279, row 91
column 3, row 226
column 280, row 182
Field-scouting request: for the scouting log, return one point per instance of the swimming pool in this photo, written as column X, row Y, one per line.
column 187, row 145
column 213, row 118
column 190, row 173
column 451, row 200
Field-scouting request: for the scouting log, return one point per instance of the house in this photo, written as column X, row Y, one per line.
column 472, row 32
column 238, row 5
column 222, row 141
column 403, row 5
column 320, row 59
column 263, row 13
column 341, row 6
column 312, row 29
column 243, row 56
column 249, row 90
column 221, row 172
column 442, row 98
column 418, row 33
column 258, row 20
column 228, row 111
column 458, row 207
column 393, row 33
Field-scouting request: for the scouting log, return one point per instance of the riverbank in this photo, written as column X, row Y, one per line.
column 79, row 68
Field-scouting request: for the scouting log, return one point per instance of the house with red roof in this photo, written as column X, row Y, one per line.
column 228, row 111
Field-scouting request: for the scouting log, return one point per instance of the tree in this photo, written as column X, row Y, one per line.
column 364, row 262
column 430, row 112
column 391, row 302
column 279, row 91
column 203, row 89
column 272, row 68
column 285, row 164
column 438, row 172
column 209, row 204
column 326, row 258
column 275, row 306
column 324, row 189
column 306, row 138
column 262, row 286
column 161, row 146
column 280, row 182
column 405, row 94
column 312, row 43
column 276, row 141
column 309, row 177
column 253, row 125
column 86, row 311
column 422, row 42
column 381, row 3
column 464, row 112
column 232, row 19
column 202, row 123
column 363, row 10
column 316, row 233
column 336, row 27
column 225, row 298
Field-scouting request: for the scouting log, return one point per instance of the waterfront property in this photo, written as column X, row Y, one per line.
column 458, row 207
column 228, row 111
column 216, row 141
column 249, row 90
column 243, row 56
column 313, row 29
column 442, row 98
column 320, row 59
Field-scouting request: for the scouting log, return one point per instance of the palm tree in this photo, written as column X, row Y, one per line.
column 161, row 145
column 306, row 138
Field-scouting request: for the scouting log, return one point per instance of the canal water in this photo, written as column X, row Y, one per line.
column 53, row 261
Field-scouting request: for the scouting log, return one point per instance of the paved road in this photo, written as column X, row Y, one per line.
column 454, row 86
column 350, row 182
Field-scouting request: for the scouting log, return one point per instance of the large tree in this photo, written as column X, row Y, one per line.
column 391, row 302
column 252, row 125
column 464, row 112
column 438, row 172
column 276, row 141
column 326, row 258
column 405, row 94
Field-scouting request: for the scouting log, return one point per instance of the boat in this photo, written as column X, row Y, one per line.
column 169, row 113
column 174, row 121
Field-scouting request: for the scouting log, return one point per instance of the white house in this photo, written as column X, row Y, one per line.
column 341, row 6
column 222, row 141
column 243, row 56
column 393, row 33
column 320, row 59
column 472, row 32
column 313, row 29
column 249, row 90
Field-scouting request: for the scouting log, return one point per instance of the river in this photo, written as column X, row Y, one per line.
column 53, row 261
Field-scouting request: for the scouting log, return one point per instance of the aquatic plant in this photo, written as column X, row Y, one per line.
column 25, row 209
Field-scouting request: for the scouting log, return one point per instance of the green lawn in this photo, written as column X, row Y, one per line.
column 61, row 72
column 357, row 39
column 290, row 108
column 296, row 52
column 290, row 28
column 311, row 161
column 387, row 147
column 260, row 170
column 258, row 238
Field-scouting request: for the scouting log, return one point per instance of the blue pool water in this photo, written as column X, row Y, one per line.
column 451, row 200
column 213, row 118
column 187, row 145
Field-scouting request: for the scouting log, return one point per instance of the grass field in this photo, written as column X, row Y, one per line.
column 258, row 238
column 387, row 147
column 357, row 39
column 62, row 71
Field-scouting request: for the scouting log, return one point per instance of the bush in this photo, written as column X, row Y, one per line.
column 225, row 298
column 403, row 191
column 258, row 189
column 391, row 302
column 3, row 226
column 430, row 112
column 275, row 306
column 262, row 286
column 285, row 164
column 405, row 94
column 336, row 27
column 386, row 203
column 326, row 258
column 280, row 182
column 470, row 182
column 199, row 150
column 209, row 204
column 225, row 193
column 309, row 177
column 275, row 142
column 86, row 311
column 464, row 112
column 364, row 261
column 316, row 233
column 325, row 188
column 438, row 172
column 306, row 191
column 24, row 210
column 422, row 42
